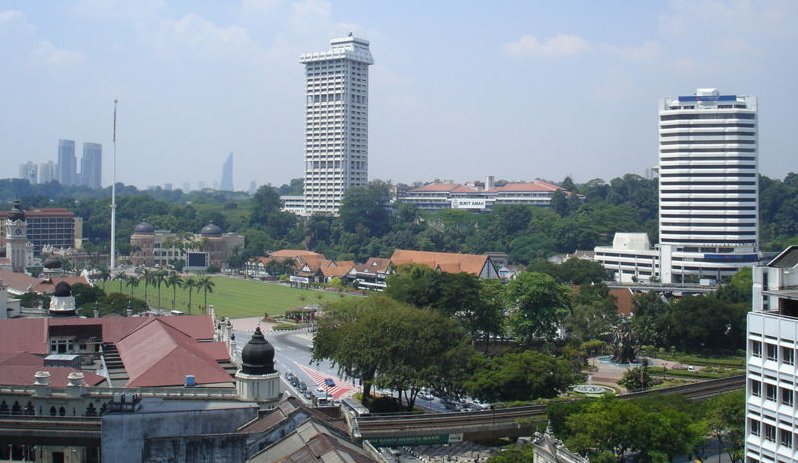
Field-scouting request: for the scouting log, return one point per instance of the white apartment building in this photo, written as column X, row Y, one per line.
column 771, row 423
column 336, row 122
column 708, row 189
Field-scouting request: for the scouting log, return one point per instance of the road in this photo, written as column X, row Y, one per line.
column 292, row 352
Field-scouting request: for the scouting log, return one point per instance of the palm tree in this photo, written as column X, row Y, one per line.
column 175, row 282
column 148, row 276
column 121, row 278
column 206, row 285
column 190, row 283
column 160, row 277
column 133, row 282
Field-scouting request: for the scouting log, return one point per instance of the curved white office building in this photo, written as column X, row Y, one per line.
column 708, row 189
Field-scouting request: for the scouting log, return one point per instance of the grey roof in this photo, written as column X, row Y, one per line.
column 787, row 259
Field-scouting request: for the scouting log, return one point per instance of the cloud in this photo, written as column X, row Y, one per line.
column 310, row 14
column 260, row 6
column 49, row 55
column 209, row 40
column 554, row 47
column 11, row 16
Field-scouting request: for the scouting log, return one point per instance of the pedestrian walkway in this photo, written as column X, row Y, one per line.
column 336, row 391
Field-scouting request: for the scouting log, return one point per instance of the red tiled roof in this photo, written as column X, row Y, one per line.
column 157, row 354
column 332, row 269
column 438, row 187
column 291, row 253
column 624, row 300
column 20, row 358
column 537, row 185
column 374, row 265
column 23, row 283
column 47, row 212
column 23, row 375
column 445, row 261
column 24, row 335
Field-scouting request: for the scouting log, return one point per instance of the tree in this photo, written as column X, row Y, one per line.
column 174, row 281
column 86, row 294
column 526, row 375
column 121, row 278
column 149, row 277
column 637, row 379
column 366, row 207
column 160, row 277
column 417, row 285
column 592, row 314
column 133, row 283
column 519, row 453
column 190, row 283
column 725, row 419
column 206, row 285
column 539, row 303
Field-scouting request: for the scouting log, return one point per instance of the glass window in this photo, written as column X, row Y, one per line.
column 770, row 433
column 785, row 438
column 788, row 355
column 756, row 388
column 756, row 348
column 786, row 396
column 770, row 392
column 755, row 426
column 772, row 351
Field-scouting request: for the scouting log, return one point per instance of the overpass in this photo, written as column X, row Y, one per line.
column 406, row 429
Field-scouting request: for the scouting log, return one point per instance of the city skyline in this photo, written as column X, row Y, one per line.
column 446, row 101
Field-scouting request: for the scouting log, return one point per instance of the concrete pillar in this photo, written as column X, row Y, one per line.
column 41, row 384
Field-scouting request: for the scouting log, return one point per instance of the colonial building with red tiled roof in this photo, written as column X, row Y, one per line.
column 474, row 264
column 479, row 196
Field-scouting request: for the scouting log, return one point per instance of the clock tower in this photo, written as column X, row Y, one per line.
column 18, row 249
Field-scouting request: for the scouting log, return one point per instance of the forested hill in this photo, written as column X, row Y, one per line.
column 365, row 228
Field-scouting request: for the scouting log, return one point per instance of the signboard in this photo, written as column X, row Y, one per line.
column 197, row 259
column 416, row 440
column 468, row 204
column 302, row 280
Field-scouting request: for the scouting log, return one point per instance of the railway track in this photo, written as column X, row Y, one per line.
column 512, row 417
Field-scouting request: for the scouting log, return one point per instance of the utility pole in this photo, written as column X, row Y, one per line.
column 113, row 200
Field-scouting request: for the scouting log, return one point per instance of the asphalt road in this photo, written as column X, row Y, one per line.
column 292, row 352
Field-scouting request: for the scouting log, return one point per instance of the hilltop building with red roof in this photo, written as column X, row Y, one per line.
column 478, row 197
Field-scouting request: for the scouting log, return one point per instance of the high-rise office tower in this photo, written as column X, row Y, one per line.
column 708, row 194
column 47, row 172
column 29, row 171
column 227, row 174
column 67, row 164
column 91, row 165
column 708, row 186
column 336, row 122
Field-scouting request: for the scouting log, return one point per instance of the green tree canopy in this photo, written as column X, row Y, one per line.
column 540, row 306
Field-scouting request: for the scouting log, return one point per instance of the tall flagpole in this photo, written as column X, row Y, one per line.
column 113, row 200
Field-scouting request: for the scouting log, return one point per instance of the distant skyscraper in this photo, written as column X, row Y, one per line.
column 336, row 122
column 67, row 164
column 227, row 174
column 47, row 172
column 708, row 193
column 167, row 186
column 200, row 185
column 186, row 187
column 253, row 187
column 91, row 165
column 29, row 171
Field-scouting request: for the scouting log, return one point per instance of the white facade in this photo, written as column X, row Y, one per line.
column 29, row 171
column 67, row 163
column 771, row 417
column 91, row 166
column 708, row 187
column 336, row 122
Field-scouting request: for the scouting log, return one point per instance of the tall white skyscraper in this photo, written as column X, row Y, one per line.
column 91, row 165
column 336, row 122
column 708, row 193
column 227, row 174
column 47, row 172
column 67, row 163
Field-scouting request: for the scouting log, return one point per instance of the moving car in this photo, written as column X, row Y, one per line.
column 329, row 382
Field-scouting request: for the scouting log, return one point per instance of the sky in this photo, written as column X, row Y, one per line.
column 459, row 89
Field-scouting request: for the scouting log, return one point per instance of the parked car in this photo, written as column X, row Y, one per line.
column 329, row 382
column 295, row 381
column 308, row 394
column 302, row 386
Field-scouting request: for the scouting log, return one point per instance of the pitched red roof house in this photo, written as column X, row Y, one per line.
column 475, row 264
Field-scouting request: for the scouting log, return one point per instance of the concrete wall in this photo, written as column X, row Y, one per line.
column 124, row 434
column 229, row 448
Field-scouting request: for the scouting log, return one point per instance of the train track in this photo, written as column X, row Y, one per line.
column 511, row 418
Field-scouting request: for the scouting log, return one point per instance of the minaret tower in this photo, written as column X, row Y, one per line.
column 18, row 249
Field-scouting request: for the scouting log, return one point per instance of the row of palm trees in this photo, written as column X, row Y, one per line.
column 159, row 278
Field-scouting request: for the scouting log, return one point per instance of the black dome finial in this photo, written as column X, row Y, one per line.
column 257, row 357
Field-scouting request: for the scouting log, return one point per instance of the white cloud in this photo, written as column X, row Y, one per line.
column 209, row 40
column 49, row 55
column 260, row 6
column 11, row 16
column 308, row 15
column 553, row 47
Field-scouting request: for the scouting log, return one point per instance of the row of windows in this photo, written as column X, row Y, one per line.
column 712, row 208
column 709, row 200
column 708, row 142
column 706, row 126
column 708, row 150
column 708, row 232
column 685, row 117
column 700, row 183
column 772, row 352
column 712, row 192
column 706, row 134
column 708, row 158
column 707, row 216
column 665, row 240
column 718, row 175
column 752, row 224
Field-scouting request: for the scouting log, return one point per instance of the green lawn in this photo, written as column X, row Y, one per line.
column 232, row 297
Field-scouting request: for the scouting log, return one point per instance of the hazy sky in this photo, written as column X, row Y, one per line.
column 460, row 89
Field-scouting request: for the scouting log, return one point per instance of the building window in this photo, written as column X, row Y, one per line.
column 785, row 438
column 755, row 427
column 770, row 433
column 772, row 351
column 756, row 348
column 786, row 396
column 756, row 388
column 788, row 355
column 770, row 392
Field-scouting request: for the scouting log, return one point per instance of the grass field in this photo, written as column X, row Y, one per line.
column 232, row 297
